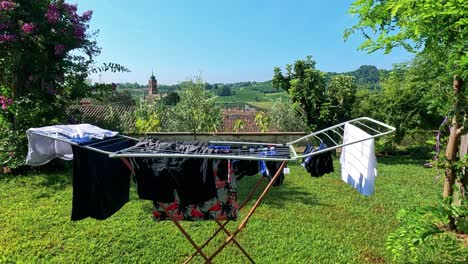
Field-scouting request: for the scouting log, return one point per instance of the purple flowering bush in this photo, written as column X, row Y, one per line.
column 39, row 73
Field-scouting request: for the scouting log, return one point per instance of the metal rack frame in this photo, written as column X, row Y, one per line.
column 331, row 136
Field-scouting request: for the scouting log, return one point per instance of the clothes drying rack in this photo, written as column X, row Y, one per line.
column 283, row 152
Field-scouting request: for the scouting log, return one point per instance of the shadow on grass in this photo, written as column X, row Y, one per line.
column 278, row 196
column 57, row 181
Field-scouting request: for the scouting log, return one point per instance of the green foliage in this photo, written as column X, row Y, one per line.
column 367, row 76
column 262, row 121
column 340, row 98
column 195, row 112
column 306, row 86
column 112, row 67
column 171, row 99
column 46, row 56
column 285, row 116
column 239, row 125
column 322, row 104
column 438, row 31
column 151, row 116
column 433, row 26
column 123, row 98
column 415, row 96
column 222, row 90
column 423, row 225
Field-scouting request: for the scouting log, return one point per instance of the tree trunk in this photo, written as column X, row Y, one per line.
column 452, row 146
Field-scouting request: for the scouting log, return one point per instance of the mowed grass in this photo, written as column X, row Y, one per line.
column 307, row 220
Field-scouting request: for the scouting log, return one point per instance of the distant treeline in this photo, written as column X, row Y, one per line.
column 367, row 76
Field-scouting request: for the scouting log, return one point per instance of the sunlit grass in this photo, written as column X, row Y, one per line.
column 307, row 220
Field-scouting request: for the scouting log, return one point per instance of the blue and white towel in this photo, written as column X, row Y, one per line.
column 43, row 149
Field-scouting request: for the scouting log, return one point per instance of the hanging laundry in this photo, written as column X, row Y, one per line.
column 160, row 179
column 320, row 164
column 100, row 184
column 223, row 206
column 358, row 161
column 245, row 168
column 268, row 170
column 43, row 149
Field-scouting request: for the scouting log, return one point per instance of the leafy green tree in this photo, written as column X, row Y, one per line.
column 306, row 86
column 239, row 125
column 171, row 99
column 262, row 121
column 430, row 26
column 438, row 31
column 151, row 116
column 47, row 53
column 340, row 98
column 285, row 116
column 123, row 98
column 195, row 112
column 223, row 90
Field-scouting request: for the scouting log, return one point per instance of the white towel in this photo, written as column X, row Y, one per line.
column 358, row 161
column 43, row 149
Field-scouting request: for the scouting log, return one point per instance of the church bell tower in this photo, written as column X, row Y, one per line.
column 152, row 85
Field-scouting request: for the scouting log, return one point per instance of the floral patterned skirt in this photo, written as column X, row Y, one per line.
column 222, row 207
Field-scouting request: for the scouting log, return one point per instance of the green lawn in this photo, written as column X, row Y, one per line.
column 307, row 220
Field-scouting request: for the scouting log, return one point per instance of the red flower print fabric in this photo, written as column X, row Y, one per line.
column 222, row 207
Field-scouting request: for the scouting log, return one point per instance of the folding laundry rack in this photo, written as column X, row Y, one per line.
column 331, row 136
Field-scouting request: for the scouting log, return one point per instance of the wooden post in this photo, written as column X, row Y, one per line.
column 452, row 146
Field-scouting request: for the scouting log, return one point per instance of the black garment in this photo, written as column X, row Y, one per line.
column 273, row 167
column 320, row 164
column 243, row 168
column 153, row 179
column 191, row 178
column 222, row 168
column 100, row 184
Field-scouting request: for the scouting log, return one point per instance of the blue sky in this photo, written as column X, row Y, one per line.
column 225, row 41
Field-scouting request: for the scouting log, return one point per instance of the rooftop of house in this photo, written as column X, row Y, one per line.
column 102, row 114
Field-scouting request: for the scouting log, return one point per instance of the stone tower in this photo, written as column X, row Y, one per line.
column 152, row 85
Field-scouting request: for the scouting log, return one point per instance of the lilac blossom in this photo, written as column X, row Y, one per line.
column 7, row 5
column 59, row 49
column 28, row 28
column 87, row 15
column 7, row 38
column 79, row 32
column 53, row 14
column 5, row 102
column 71, row 9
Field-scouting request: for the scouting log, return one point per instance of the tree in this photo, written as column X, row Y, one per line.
column 285, row 116
column 171, row 99
column 239, row 125
column 223, row 90
column 46, row 56
column 262, row 121
column 340, row 98
column 306, row 86
column 438, row 30
column 123, row 98
column 151, row 116
column 195, row 112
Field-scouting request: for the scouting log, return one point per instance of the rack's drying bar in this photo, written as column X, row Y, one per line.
column 333, row 136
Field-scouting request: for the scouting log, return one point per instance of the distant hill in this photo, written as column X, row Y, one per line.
column 261, row 94
column 367, row 75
